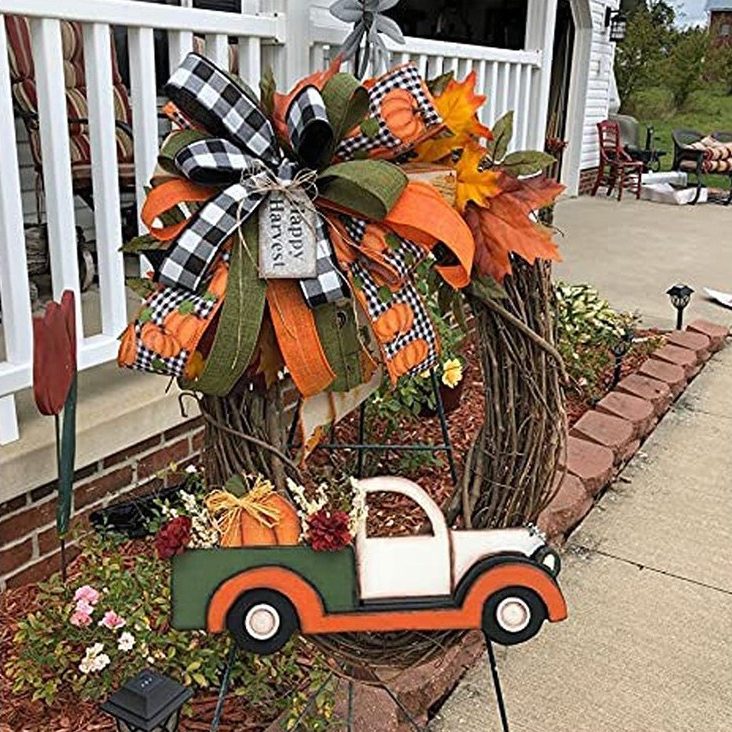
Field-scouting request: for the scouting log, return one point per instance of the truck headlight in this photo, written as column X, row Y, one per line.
column 549, row 559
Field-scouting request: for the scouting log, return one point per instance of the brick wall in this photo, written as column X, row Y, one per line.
column 587, row 180
column 29, row 549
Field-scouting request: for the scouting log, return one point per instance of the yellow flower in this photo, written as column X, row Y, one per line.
column 452, row 372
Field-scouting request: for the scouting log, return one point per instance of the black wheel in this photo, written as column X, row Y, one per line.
column 513, row 615
column 262, row 621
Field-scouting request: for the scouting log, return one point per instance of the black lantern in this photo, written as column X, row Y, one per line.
column 680, row 296
column 617, row 21
column 148, row 703
column 619, row 349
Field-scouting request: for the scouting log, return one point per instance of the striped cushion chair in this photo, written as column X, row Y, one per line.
column 26, row 105
column 698, row 155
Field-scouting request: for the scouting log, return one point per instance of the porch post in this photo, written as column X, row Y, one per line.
column 292, row 60
column 541, row 18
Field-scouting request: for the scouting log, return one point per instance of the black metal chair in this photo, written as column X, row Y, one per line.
column 694, row 155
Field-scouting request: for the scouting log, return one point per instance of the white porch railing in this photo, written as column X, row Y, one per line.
column 510, row 79
column 96, row 17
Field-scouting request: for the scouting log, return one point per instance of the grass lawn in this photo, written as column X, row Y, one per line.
column 706, row 110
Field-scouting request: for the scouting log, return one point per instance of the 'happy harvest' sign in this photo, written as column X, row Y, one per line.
column 287, row 236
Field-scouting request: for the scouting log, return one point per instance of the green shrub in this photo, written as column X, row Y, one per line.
column 653, row 103
column 587, row 328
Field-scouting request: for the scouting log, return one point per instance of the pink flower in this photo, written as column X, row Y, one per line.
column 88, row 594
column 80, row 620
column 83, row 607
column 112, row 621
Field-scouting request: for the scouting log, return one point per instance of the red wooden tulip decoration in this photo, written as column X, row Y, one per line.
column 54, row 391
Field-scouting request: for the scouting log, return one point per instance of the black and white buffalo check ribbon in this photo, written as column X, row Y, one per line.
column 244, row 157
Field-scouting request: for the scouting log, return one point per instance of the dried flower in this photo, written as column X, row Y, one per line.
column 173, row 538
column 328, row 530
column 112, row 621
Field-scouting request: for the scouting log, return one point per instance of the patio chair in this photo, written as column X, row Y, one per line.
column 630, row 138
column 26, row 105
column 616, row 166
column 695, row 154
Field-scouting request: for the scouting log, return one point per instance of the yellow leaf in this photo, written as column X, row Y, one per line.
column 473, row 184
column 269, row 357
column 458, row 106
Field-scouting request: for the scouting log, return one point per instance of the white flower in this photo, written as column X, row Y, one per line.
column 126, row 641
column 190, row 469
column 101, row 662
column 94, row 659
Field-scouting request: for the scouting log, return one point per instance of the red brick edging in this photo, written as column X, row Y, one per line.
column 605, row 438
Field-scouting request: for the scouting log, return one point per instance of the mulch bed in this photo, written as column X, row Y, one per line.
column 18, row 713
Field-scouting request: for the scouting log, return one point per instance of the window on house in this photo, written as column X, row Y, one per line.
column 497, row 23
column 725, row 29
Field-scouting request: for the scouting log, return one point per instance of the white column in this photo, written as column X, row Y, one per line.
column 541, row 18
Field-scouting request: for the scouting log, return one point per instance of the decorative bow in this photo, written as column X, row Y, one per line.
column 247, row 159
column 372, row 225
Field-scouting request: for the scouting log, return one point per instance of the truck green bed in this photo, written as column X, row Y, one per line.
column 197, row 573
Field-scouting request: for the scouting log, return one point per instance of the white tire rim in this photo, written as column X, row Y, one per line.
column 262, row 621
column 513, row 615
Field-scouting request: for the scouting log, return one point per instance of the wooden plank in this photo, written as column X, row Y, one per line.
column 133, row 15
column 180, row 44
column 217, row 49
column 14, row 295
column 54, row 132
column 144, row 113
column 250, row 60
column 105, row 183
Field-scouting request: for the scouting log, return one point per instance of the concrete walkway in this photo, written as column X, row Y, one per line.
column 648, row 580
column 634, row 250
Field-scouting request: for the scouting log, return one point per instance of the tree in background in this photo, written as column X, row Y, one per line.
column 718, row 66
column 682, row 70
column 649, row 39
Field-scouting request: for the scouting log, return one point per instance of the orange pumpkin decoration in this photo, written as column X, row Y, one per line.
column 399, row 112
column 397, row 319
column 260, row 517
column 408, row 357
column 156, row 340
column 127, row 354
column 185, row 327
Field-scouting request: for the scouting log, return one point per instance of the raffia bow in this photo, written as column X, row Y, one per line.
column 226, row 509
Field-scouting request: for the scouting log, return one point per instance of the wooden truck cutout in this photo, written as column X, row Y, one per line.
column 502, row 581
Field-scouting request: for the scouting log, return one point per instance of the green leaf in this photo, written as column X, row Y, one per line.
column 370, row 127
column 141, row 286
column 267, row 88
column 488, row 289
column 144, row 242
column 438, row 84
column 236, row 485
column 158, row 364
column 502, row 134
column 392, row 240
column 186, row 307
column 145, row 315
column 384, row 294
column 527, row 162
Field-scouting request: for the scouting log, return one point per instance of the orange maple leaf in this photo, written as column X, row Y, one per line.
column 458, row 106
column 504, row 226
column 472, row 183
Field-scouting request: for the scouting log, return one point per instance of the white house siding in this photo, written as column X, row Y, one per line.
column 598, row 85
